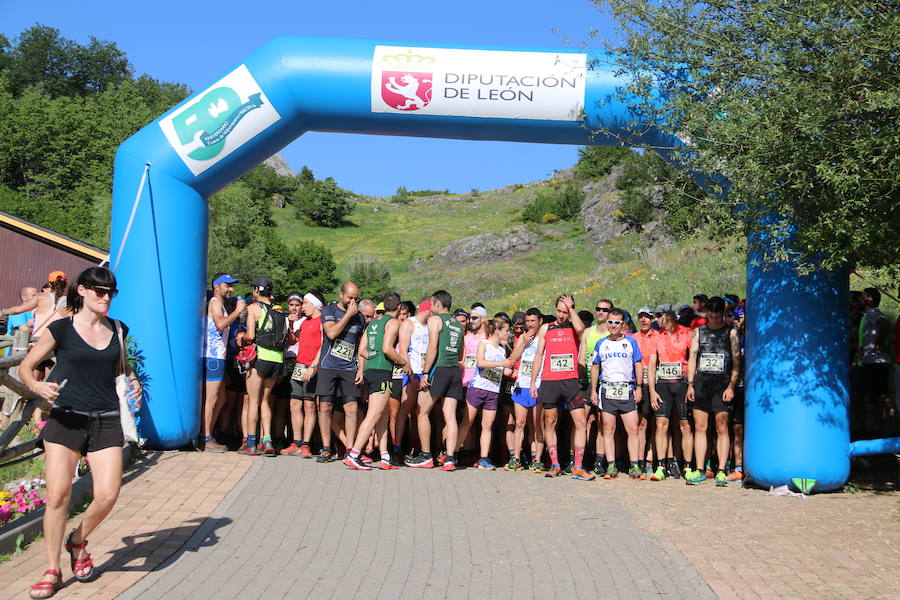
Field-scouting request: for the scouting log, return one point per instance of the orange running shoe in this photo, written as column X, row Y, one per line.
column 735, row 476
column 291, row 450
column 553, row 471
column 580, row 473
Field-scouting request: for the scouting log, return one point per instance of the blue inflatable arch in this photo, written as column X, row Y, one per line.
column 796, row 406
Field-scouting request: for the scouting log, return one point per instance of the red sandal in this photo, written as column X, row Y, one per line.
column 81, row 563
column 47, row 586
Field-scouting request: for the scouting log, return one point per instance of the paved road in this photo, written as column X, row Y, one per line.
column 293, row 528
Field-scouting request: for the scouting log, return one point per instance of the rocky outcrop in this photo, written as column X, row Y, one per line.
column 598, row 213
column 484, row 248
column 277, row 163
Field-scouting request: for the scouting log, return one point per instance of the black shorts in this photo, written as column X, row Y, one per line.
column 708, row 394
column 446, row 382
column 305, row 390
column 644, row 406
column 396, row 388
column 268, row 369
column 616, row 406
column 378, row 381
column 82, row 432
column 672, row 399
column 737, row 406
column 234, row 379
column 874, row 379
column 341, row 384
column 506, row 392
column 564, row 393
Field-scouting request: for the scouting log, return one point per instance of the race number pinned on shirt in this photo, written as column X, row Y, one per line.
column 298, row 372
column 562, row 362
column 397, row 373
column 471, row 362
column 712, row 363
column 669, row 371
column 494, row 375
column 616, row 391
column 526, row 367
column 343, row 350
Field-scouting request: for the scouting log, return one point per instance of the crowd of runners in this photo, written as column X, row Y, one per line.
column 425, row 385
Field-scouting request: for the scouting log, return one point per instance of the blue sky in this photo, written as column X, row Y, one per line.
column 192, row 42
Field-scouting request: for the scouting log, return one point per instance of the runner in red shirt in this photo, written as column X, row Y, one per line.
column 303, row 377
column 647, row 338
column 557, row 352
column 668, row 392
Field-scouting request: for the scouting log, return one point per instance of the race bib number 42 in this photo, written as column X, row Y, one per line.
column 712, row 363
column 669, row 371
column 343, row 350
column 562, row 362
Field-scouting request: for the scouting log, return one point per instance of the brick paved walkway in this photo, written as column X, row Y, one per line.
column 283, row 529
column 166, row 497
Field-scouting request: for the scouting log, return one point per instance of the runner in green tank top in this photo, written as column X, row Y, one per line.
column 377, row 361
column 442, row 376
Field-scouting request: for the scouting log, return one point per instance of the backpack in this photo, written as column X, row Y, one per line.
column 275, row 336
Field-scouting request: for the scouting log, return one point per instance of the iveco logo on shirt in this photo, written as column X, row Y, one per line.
column 615, row 355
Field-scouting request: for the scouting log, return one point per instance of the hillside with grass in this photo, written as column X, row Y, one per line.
column 478, row 247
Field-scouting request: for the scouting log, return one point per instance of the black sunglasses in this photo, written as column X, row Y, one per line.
column 602, row 309
column 101, row 291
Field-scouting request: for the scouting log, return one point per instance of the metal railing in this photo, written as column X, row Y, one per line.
column 19, row 402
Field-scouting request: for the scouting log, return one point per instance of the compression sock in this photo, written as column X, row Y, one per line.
column 251, row 440
column 578, row 458
column 553, row 451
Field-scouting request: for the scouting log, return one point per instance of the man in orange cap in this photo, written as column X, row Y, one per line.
column 48, row 306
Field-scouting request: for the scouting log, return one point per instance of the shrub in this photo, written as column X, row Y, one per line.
column 549, row 218
column 371, row 275
column 323, row 202
column 596, row 161
column 563, row 204
column 636, row 208
column 402, row 196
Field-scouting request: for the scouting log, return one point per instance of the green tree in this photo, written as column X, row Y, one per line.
column 596, row 161
column 306, row 175
column 323, row 203
column 796, row 105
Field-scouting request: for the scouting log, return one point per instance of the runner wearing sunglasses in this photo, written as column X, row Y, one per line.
column 617, row 365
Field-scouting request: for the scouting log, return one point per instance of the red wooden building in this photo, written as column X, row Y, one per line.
column 29, row 252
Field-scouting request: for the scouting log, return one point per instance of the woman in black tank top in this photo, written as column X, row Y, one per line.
column 84, row 418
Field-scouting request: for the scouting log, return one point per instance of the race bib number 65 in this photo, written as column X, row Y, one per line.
column 562, row 362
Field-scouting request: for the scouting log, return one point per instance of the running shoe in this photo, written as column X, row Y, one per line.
column 387, row 465
column 420, row 461
column 243, row 447
column 554, row 471
column 735, row 476
column 611, row 472
column 567, row 470
column 211, row 445
column 709, row 471
column 689, row 473
column 648, row 470
column 325, row 455
column 305, row 451
column 599, row 471
column 514, row 464
column 248, row 450
column 536, row 466
column 367, row 459
column 442, row 456
column 674, row 470
column 356, row 463
column 580, row 473
column 267, row 448
column 697, row 477
column 659, row 474
column 721, row 479
column 449, row 464
column 636, row 473
column 485, row 465
column 292, row 450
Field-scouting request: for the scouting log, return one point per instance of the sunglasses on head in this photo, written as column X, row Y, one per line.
column 602, row 309
column 101, row 291
column 611, row 322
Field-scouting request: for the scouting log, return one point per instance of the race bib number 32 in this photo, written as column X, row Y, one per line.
column 712, row 363
column 343, row 350
column 562, row 362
